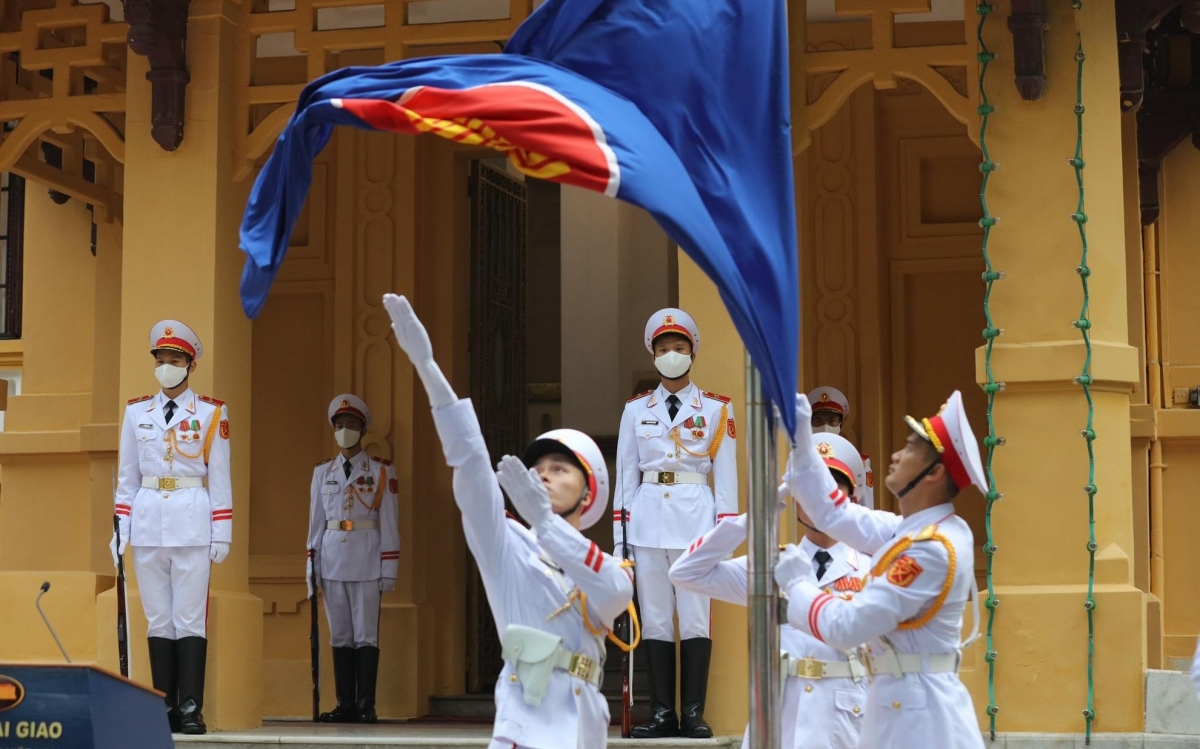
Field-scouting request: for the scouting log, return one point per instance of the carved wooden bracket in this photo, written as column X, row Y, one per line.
column 1164, row 120
column 1169, row 97
column 1134, row 19
column 1028, row 27
column 158, row 31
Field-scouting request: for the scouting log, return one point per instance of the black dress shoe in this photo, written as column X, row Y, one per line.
column 191, row 720
column 692, row 722
column 664, row 725
column 340, row 714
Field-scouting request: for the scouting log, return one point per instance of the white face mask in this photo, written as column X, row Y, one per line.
column 347, row 438
column 170, row 375
column 673, row 364
column 827, row 429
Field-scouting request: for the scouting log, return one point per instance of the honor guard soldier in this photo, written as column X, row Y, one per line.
column 831, row 407
column 673, row 440
column 910, row 610
column 354, row 553
column 825, row 689
column 553, row 593
column 174, row 501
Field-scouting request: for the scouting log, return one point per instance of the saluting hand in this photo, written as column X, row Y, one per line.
column 526, row 490
column 410, row 333
column 792, row 567
column 414, row 341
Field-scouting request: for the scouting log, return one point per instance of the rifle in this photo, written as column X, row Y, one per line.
column 627, row 635
column 314, row 637
column 122, row 623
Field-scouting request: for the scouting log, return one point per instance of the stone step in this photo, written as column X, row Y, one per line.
column 299, row 735
column 409, row 735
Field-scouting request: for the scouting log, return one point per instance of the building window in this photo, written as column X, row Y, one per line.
column 12, row 234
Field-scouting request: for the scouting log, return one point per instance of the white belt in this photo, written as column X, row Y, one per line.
column 171, row 483
column 898, row 664
column 673, row 477
column 811, row 668
column 351, row 525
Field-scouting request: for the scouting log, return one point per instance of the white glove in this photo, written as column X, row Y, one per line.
column 387, row 584
column 218, row 550
column 117, row 550
column 792, row 567
column 526, row 490
column 782, row 495
column 414, row 341
column 410, row 333
column 804, row 455
column 619, row 551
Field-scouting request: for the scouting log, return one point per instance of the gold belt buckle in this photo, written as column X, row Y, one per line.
column 167, row 484
column 345, row 525
column 666, row 477
column 580, row 667
column 813, row 669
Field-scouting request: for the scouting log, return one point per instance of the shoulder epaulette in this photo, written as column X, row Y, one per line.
column 926, row 533
column 385, row 461
column 323, row 462
column 639, row 396
column 716, row 397
column 213, row 401
column 139, row 400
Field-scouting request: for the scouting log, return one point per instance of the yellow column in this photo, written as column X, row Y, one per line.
column 50, row 527
column 720, row 368
column 181, row 260
column 1041, row 525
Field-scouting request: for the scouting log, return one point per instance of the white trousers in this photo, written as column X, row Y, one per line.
column 173, row 582
column 353, row 612
column 659, row 602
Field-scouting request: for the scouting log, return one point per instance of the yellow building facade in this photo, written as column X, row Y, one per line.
column 887, row 131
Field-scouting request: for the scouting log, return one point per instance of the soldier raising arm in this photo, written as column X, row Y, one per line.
column 910, row 611
column 554, row 594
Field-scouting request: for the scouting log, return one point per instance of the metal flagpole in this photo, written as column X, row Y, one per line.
column 763, row 532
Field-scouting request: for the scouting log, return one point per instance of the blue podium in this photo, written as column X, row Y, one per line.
column 65, row 706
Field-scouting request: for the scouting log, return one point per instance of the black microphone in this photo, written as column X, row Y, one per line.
column 38, row 603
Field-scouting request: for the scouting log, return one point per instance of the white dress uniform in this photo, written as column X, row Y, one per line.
column 662, row 517
column 826, row 398
column 910, row 611
column 174, row 501
column 354, row 549
column 824, row 685
column 676, row 479
column 353, row 526
column 535, row 582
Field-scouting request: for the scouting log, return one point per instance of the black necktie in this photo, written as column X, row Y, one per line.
column 169, row 410
column 822, row 558
column 672, row 406
column 348, row 467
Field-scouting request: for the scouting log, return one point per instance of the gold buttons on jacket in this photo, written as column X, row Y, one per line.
column 512, row 678
column 578, row 691
column 856, row 711
column 666, row 495
column 808, row 687
column 895, row 705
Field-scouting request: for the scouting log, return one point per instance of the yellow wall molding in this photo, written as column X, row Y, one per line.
column 1114, row 365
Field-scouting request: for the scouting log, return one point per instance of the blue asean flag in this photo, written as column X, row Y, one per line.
column 675, row 106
